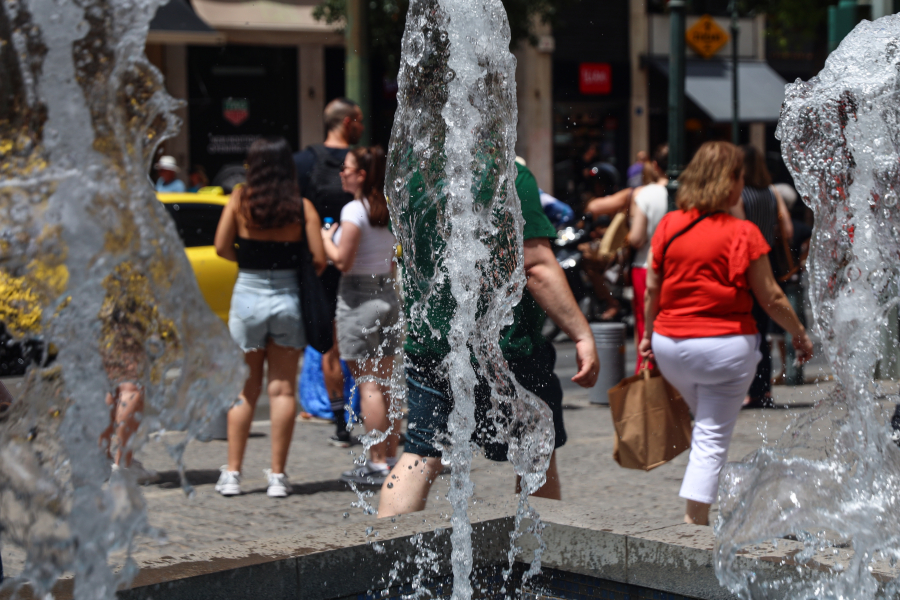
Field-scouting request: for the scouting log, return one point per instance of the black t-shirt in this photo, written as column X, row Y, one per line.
column 330, row 202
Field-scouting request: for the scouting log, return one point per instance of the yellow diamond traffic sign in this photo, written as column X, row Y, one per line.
column 706, row 37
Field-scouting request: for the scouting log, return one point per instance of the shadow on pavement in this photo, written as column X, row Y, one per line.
column 169, row 480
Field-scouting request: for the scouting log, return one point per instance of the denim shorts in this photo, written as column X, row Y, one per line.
column 368, row 311
column 430, row 402
column 265, row 305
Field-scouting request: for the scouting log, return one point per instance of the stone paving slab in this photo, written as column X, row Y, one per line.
column 591, row 480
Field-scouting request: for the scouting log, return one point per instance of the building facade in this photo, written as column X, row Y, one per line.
column 259, row 69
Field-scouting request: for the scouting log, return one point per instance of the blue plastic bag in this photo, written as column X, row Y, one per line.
column 313, row 396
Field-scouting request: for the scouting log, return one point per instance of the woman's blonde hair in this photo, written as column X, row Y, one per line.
column 706, row 182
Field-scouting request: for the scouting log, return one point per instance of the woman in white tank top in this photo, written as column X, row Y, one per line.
column 648, row 206
column 368, row 310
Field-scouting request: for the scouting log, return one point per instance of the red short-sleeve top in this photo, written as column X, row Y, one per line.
column 705, row 292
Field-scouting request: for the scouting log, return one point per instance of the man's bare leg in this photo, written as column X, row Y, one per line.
column 551, row 488
column 406, row 489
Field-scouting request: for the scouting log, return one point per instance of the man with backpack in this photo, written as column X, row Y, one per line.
column 319, row 168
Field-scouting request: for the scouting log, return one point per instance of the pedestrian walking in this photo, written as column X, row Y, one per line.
column 319, row 174
column 530, row 357
column 706, row 266
column 635, row 177
column 368, row 308
column 763, row 206
column 168, row 182
column 129, row 320
column 266, row 228
column 198, row 179
column 649, row 205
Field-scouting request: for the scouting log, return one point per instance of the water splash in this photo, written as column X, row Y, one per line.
column 90, row 261
column 834, row 477
column 456, row 214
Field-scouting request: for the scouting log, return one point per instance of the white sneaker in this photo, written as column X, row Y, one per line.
column 229, row 483
column 368, row 474
column 141, row 475
column 279, row 485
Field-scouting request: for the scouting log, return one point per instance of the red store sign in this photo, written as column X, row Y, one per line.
column 595, row 78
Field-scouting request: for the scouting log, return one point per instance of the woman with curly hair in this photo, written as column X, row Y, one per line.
column 704, row 270
column 266, row 228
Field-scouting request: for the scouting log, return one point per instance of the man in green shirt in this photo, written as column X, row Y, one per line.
column 530, row 357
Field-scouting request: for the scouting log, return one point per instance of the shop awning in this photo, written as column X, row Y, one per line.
column 294, row 16
column 708, row 85
column 176, row 23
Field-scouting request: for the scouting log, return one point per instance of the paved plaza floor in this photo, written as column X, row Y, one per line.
column 590, row 478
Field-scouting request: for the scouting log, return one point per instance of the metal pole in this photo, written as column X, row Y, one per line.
column 881, row 8
column 676, row 96
column 356, row 65
column 735, row 99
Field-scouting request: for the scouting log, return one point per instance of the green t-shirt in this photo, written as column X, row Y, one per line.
column 428, row 333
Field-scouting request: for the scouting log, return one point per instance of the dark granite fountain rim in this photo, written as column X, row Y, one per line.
column 342, row 561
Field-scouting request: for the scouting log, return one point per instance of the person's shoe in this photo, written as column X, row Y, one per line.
column 229, row 483
column 342, row 439
column 279, row 486
column 141, row 475
column 365, row 475
column 765, row 402
column 895, row 425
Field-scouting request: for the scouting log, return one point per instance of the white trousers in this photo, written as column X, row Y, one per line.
column 713, row 375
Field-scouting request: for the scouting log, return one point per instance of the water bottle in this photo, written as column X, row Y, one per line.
column 327, row 223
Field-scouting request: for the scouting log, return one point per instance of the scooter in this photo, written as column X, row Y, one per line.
column 571, row 259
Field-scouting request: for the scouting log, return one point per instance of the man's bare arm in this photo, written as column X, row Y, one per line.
column 547, row 284
column 609, row 205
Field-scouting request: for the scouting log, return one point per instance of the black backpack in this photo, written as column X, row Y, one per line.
column 325, row 190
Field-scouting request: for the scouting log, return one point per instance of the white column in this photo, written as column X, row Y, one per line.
column 534, row 87
column 311, row 95
column 176, row 72
column 640, row 102
column 882, row 8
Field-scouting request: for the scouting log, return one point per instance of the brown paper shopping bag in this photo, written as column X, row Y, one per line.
column 653, row 424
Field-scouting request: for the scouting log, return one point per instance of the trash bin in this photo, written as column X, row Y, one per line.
column 610, row 340
column 217, row 428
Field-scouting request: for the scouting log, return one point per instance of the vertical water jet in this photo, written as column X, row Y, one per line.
column 90, row 261
column 834, row 477
column 456, row 214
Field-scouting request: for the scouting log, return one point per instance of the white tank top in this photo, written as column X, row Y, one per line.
column 376, row 244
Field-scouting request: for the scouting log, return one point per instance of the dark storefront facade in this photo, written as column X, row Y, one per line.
column 591, row 91
column 237, row 94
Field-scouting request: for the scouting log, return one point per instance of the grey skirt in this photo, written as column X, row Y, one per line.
column 368, row 315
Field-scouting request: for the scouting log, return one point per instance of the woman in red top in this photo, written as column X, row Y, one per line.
column 704, row 264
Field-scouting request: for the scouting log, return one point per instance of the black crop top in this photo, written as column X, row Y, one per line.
column 265, row 255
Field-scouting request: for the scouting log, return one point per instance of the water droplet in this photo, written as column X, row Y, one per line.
column 415, row 48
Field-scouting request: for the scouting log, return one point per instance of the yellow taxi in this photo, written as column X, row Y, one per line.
column 196, row 217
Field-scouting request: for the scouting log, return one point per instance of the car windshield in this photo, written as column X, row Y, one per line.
column 196, row 223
